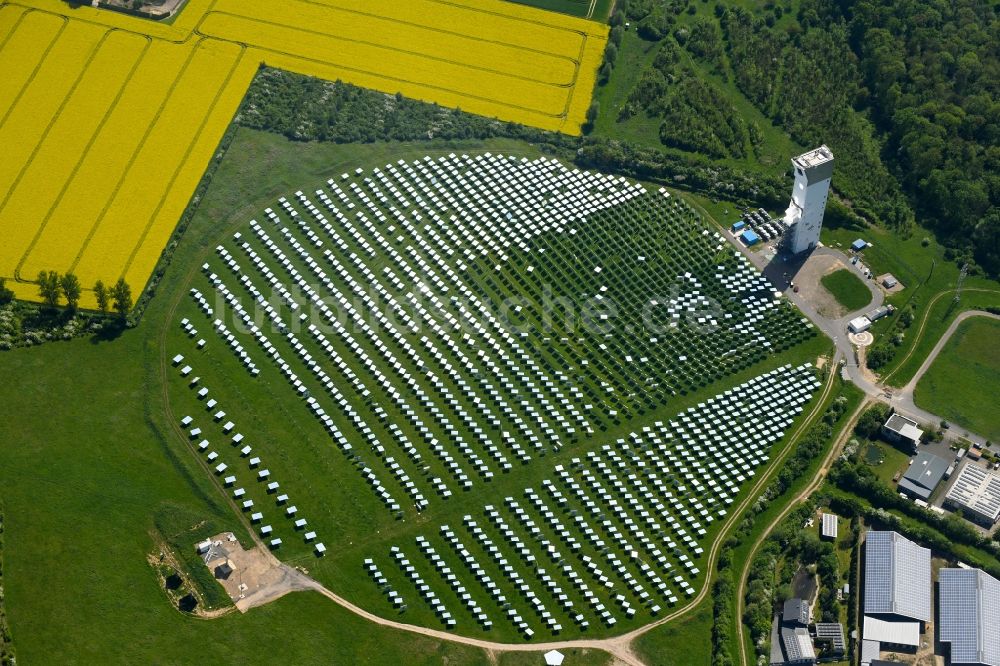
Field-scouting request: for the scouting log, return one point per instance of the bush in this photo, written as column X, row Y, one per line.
column 655, row 26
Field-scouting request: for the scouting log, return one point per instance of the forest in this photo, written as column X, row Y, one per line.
column 905, row 92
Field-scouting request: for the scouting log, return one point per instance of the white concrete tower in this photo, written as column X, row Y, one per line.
column 804, row 216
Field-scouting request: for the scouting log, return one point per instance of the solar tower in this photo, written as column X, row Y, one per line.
column 804, row 215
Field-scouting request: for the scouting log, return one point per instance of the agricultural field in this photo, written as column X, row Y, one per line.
column 597, row 10
column 108, row 121
column 497, row 429
column 962, row 383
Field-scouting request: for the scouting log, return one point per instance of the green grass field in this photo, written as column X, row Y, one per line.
column 962, row 383
column 928, row 280
column 847, row 288
column 95, row 481
column 82, row 491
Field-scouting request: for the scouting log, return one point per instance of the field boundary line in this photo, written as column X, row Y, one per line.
column 385, row 77
column 34, row 72
column 183, row 162
column 14, row 27
column 135, row 154
column 83, row 156
column 428, row 27
column 818, row 479
column 571, row 93
column 52, row 121
column 384, row 47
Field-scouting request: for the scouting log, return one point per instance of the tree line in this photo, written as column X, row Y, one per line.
column 724, row 598
column 53, row 287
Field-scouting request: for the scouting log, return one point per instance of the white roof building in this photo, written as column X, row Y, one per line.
column 859, row 324
column 895, row 633
column 976, row 491
column 829, row 526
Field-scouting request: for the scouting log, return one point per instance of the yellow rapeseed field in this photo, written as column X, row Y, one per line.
column 108, row 121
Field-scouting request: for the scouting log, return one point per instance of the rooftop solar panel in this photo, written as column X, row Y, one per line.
column 969, row 614
column 897, row 577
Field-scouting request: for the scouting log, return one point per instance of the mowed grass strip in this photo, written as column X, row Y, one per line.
column 536, row 52
column 103, row 167
column 847, row 288
column 425, row 73
column 67, row 143
column 963, row 382
column 177, row 128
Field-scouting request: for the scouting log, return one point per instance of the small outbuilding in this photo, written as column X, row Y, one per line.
column 749, row 238
column 859, row 245
column 829, row 526
column 859, row 324
column 224, row 570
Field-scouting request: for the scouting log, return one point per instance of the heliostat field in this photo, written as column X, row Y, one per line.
column 438, row 386
column 108, row 121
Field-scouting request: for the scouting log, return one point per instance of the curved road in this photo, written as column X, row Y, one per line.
column 621, row 646
column 905, row 395
column 836, row 329
column 831, row 456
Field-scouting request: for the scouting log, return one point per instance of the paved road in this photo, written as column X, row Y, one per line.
column 774, row 268
column 906, row 393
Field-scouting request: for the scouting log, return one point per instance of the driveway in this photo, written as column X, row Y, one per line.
column 781, row 270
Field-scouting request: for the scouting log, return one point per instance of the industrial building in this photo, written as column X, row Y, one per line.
column 877, row 313
column 897, row 594
column 749, row 238
column 969, row 616
column 804, row 216
column 902, row 430
column 859, row 324
column 923, row 476
column 795, row 613
column 897, row 578
column 831, row 635
column 976, row 492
